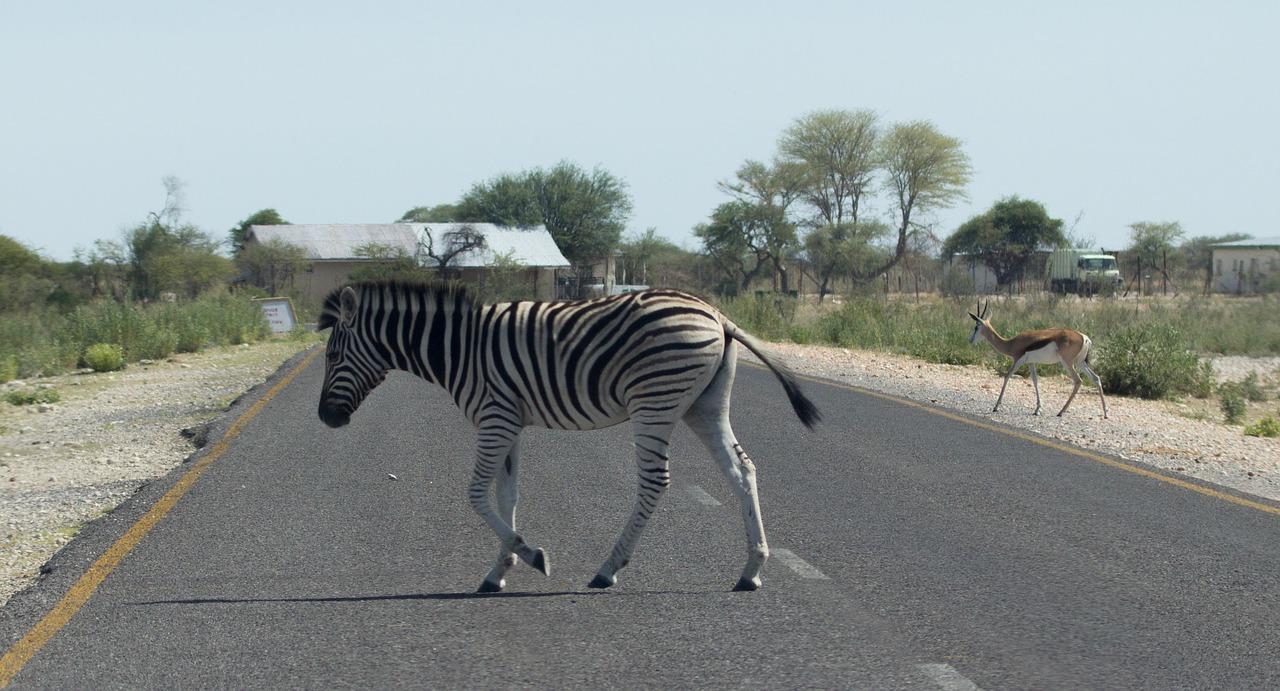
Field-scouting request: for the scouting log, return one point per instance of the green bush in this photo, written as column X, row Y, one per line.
column 1232, row 402
column 1266, row 427
column 32, row 396
column 1150, row 360
column 104, row 357
column 1251, row 388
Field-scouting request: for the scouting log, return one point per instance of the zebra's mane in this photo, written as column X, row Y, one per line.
column 457, row 293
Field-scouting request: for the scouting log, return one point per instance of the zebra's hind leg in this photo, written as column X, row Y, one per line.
column 708, row 417
column 508, row 494
column 495, row 445
column 651, row 441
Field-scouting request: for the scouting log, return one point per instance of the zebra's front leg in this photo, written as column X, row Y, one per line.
column 508, row 494
column 654, row 477
column 495, row 445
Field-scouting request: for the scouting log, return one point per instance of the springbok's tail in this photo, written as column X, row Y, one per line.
column 1088, row 350
column 805, row 409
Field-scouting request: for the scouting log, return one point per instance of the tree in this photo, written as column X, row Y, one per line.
column 239, row 235
column 166, row 255
column 835, row 154
column 844, row 249
column 745, row 239
column 637, row 253
column 767, row 230
column 440, row 213
column 925, row 170
column 388, row 263
column 1151, row 247
column 24, row 282
column 272, row 265
column 1007, row 237
column 584, row 212
column 452, row 244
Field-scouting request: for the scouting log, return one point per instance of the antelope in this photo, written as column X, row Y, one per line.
column 1067, row 347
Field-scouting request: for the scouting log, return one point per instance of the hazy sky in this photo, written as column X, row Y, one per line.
column 1110, row 112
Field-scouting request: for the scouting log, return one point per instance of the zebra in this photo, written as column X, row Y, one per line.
column 653, row 357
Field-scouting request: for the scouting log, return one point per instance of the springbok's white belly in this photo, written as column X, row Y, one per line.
column 1048, row 355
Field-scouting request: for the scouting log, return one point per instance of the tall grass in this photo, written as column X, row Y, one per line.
column 937, row 330
column 51, row 342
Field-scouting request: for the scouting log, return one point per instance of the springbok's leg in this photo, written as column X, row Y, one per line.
column 1016, row 365
column 494, row 445
column 651, row 441
column 1097, row 381
column 508, row 494
column 1075, row 380
column 709, row 419
column 1035, row 384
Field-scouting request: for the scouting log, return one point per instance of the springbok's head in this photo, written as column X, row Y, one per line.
column 980, row 321
column 354, row 366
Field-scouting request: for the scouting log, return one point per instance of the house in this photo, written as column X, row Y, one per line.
column 1246, row 266
column 532, row 248
column 332, row 250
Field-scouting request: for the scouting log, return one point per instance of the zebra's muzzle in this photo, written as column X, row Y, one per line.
column 334, row 416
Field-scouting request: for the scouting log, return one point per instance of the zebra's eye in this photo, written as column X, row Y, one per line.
column 332, row 356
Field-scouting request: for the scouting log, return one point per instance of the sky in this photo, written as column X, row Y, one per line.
column 1108, row 113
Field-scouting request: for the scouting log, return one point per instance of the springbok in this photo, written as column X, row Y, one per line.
column 1067, row 347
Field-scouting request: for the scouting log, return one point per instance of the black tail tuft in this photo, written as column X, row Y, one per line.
column 805, row 409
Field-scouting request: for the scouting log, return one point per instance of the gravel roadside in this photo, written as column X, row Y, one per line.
column 68, row 463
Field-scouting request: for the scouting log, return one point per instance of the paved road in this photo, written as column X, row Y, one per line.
column 912, row 550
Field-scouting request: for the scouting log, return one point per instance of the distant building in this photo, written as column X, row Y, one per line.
column 1246, row 266
column 331, row 249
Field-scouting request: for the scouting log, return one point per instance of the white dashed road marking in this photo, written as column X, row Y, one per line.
column 948, row 678
column 702, row 496
column 800, row 566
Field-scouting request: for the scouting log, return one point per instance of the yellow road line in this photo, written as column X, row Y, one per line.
column 1136, row 470
column 21, row 653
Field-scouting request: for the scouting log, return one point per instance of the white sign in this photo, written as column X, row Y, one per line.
column 279, row 313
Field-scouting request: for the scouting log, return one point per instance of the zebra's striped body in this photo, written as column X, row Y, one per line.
column 654, row 358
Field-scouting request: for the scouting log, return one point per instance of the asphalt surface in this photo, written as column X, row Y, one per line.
column 911, row 550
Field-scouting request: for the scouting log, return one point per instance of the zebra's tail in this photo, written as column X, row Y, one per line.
column 805, row 409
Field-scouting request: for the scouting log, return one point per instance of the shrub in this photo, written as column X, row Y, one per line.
column 1266, row 427
column 1149, row 360
column 1231, row 400
column 32, row 396
column 104, row 357
column 1252, row 389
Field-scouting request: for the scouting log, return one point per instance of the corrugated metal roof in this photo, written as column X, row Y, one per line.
column 531, row 247
column 339, row 241
column 1256, row 242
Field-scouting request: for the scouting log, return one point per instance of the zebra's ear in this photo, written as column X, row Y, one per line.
column 347, row 306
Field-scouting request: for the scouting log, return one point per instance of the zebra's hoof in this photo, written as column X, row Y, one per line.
column 490, row 587
column 747, row 584
column 540, row 562
column 601, row 582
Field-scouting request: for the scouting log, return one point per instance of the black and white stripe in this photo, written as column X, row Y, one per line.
column 653, row 357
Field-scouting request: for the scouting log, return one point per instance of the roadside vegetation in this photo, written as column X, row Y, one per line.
column 1151, row 348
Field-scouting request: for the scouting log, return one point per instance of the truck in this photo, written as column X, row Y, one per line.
column 1083, row 270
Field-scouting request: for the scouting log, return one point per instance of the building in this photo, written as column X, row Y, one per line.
column 332, row 250
column 1247, row 266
